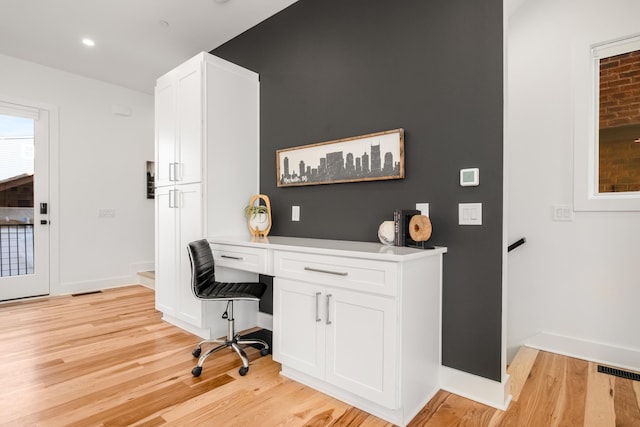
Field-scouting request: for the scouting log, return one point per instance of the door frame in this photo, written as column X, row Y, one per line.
column 54, row 191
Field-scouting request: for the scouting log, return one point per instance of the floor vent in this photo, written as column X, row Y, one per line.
column 86, row 293
column 619, row 373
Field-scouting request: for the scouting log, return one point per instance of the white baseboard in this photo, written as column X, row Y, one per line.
column 91, row 285
column 482, row 390
column 625, row 358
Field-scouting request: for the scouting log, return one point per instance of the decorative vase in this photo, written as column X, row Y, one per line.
column 386, row 233
column 259, row 221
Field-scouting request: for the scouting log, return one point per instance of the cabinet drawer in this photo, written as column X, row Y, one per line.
column 240, row 257
column 379, row 277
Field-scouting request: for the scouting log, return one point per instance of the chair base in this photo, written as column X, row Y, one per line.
column 234, row 342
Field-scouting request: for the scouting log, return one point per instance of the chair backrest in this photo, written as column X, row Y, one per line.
column 202, row 267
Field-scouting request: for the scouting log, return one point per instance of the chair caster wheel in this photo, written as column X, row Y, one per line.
column 243, row 371
column 264, row 352
column 196, row 371
column 196, row 352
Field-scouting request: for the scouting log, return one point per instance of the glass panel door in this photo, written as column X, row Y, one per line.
column 24, row 234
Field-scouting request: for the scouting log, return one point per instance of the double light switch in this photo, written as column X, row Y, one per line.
column 470, row 213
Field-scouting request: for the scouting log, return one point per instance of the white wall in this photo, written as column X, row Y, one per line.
column 101, row 165
column 579, row 279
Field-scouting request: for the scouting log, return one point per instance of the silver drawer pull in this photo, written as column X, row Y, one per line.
column 318, row 270
column 318, row 319
column 239, row 258
column 328, row 321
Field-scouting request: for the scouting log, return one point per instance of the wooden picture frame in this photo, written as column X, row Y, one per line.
column 371, row 157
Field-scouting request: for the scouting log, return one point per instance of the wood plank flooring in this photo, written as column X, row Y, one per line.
column 108, row 359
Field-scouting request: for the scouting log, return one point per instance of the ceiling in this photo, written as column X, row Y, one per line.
column 136, row 41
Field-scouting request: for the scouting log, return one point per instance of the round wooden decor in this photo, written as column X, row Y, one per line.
column 420, row 228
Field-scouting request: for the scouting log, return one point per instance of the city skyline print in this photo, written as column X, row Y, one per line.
column 371, row 157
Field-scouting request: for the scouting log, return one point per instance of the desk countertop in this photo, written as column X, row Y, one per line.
column 369, row 250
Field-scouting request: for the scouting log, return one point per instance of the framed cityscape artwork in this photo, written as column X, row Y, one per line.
column 371, row 157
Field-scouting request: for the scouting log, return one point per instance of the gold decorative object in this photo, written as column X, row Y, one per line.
column 420, row 228
column 258, row 213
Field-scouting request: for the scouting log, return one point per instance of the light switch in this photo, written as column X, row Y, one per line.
column 470, row 213
column 295, row 213
column 562, row 213
column 106, row 213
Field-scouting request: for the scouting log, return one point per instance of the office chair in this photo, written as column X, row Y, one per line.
column 205, row 287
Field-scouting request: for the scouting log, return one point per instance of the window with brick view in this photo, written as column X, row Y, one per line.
column 619, row 123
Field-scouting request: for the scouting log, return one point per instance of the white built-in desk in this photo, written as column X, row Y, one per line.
column 359, row 321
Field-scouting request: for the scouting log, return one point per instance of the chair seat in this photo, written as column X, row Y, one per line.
column 222, row 290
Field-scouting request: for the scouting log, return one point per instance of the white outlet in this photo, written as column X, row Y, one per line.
column 106, row 213
column 423, row 208
column 562, row 213
column 295, row 213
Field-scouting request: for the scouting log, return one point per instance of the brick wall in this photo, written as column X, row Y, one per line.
column 619, row 159
column 620, row 90
column 619, row 156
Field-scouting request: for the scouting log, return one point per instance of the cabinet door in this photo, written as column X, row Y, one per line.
column 298, row 326
column 179, row 126
column 165, row 232
column 362, row 346
column 190, row 127
column 189, row 222
column 165, row 122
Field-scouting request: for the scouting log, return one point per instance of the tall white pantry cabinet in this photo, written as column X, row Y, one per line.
column 206, row 170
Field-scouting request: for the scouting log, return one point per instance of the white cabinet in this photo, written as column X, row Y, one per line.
column 297, row 318
column 361, row 345
column 179, row 130
column 243, row 258
column 178, row 222
column 206, row 113
column 356, row 320
column 342, row 337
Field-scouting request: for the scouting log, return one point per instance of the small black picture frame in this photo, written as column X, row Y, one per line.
column 151, row 174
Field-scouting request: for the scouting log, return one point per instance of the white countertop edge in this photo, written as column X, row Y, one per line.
column 370, row 250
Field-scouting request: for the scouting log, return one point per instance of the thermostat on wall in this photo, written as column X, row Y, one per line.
column 469, row 177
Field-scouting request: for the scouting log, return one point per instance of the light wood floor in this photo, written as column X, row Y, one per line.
column 108, row 359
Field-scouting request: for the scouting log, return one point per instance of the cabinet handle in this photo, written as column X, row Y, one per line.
column 239, row 258
column 177, row 172
column 318, row 319
column 176, row 199
column 172, row 171
column 328, row 322
column 172, row 199
column 318, row 270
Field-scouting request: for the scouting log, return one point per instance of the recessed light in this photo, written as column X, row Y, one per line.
column 88, row 42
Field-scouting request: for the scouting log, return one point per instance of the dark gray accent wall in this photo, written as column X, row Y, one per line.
column 332, row 69
column 266, row 302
